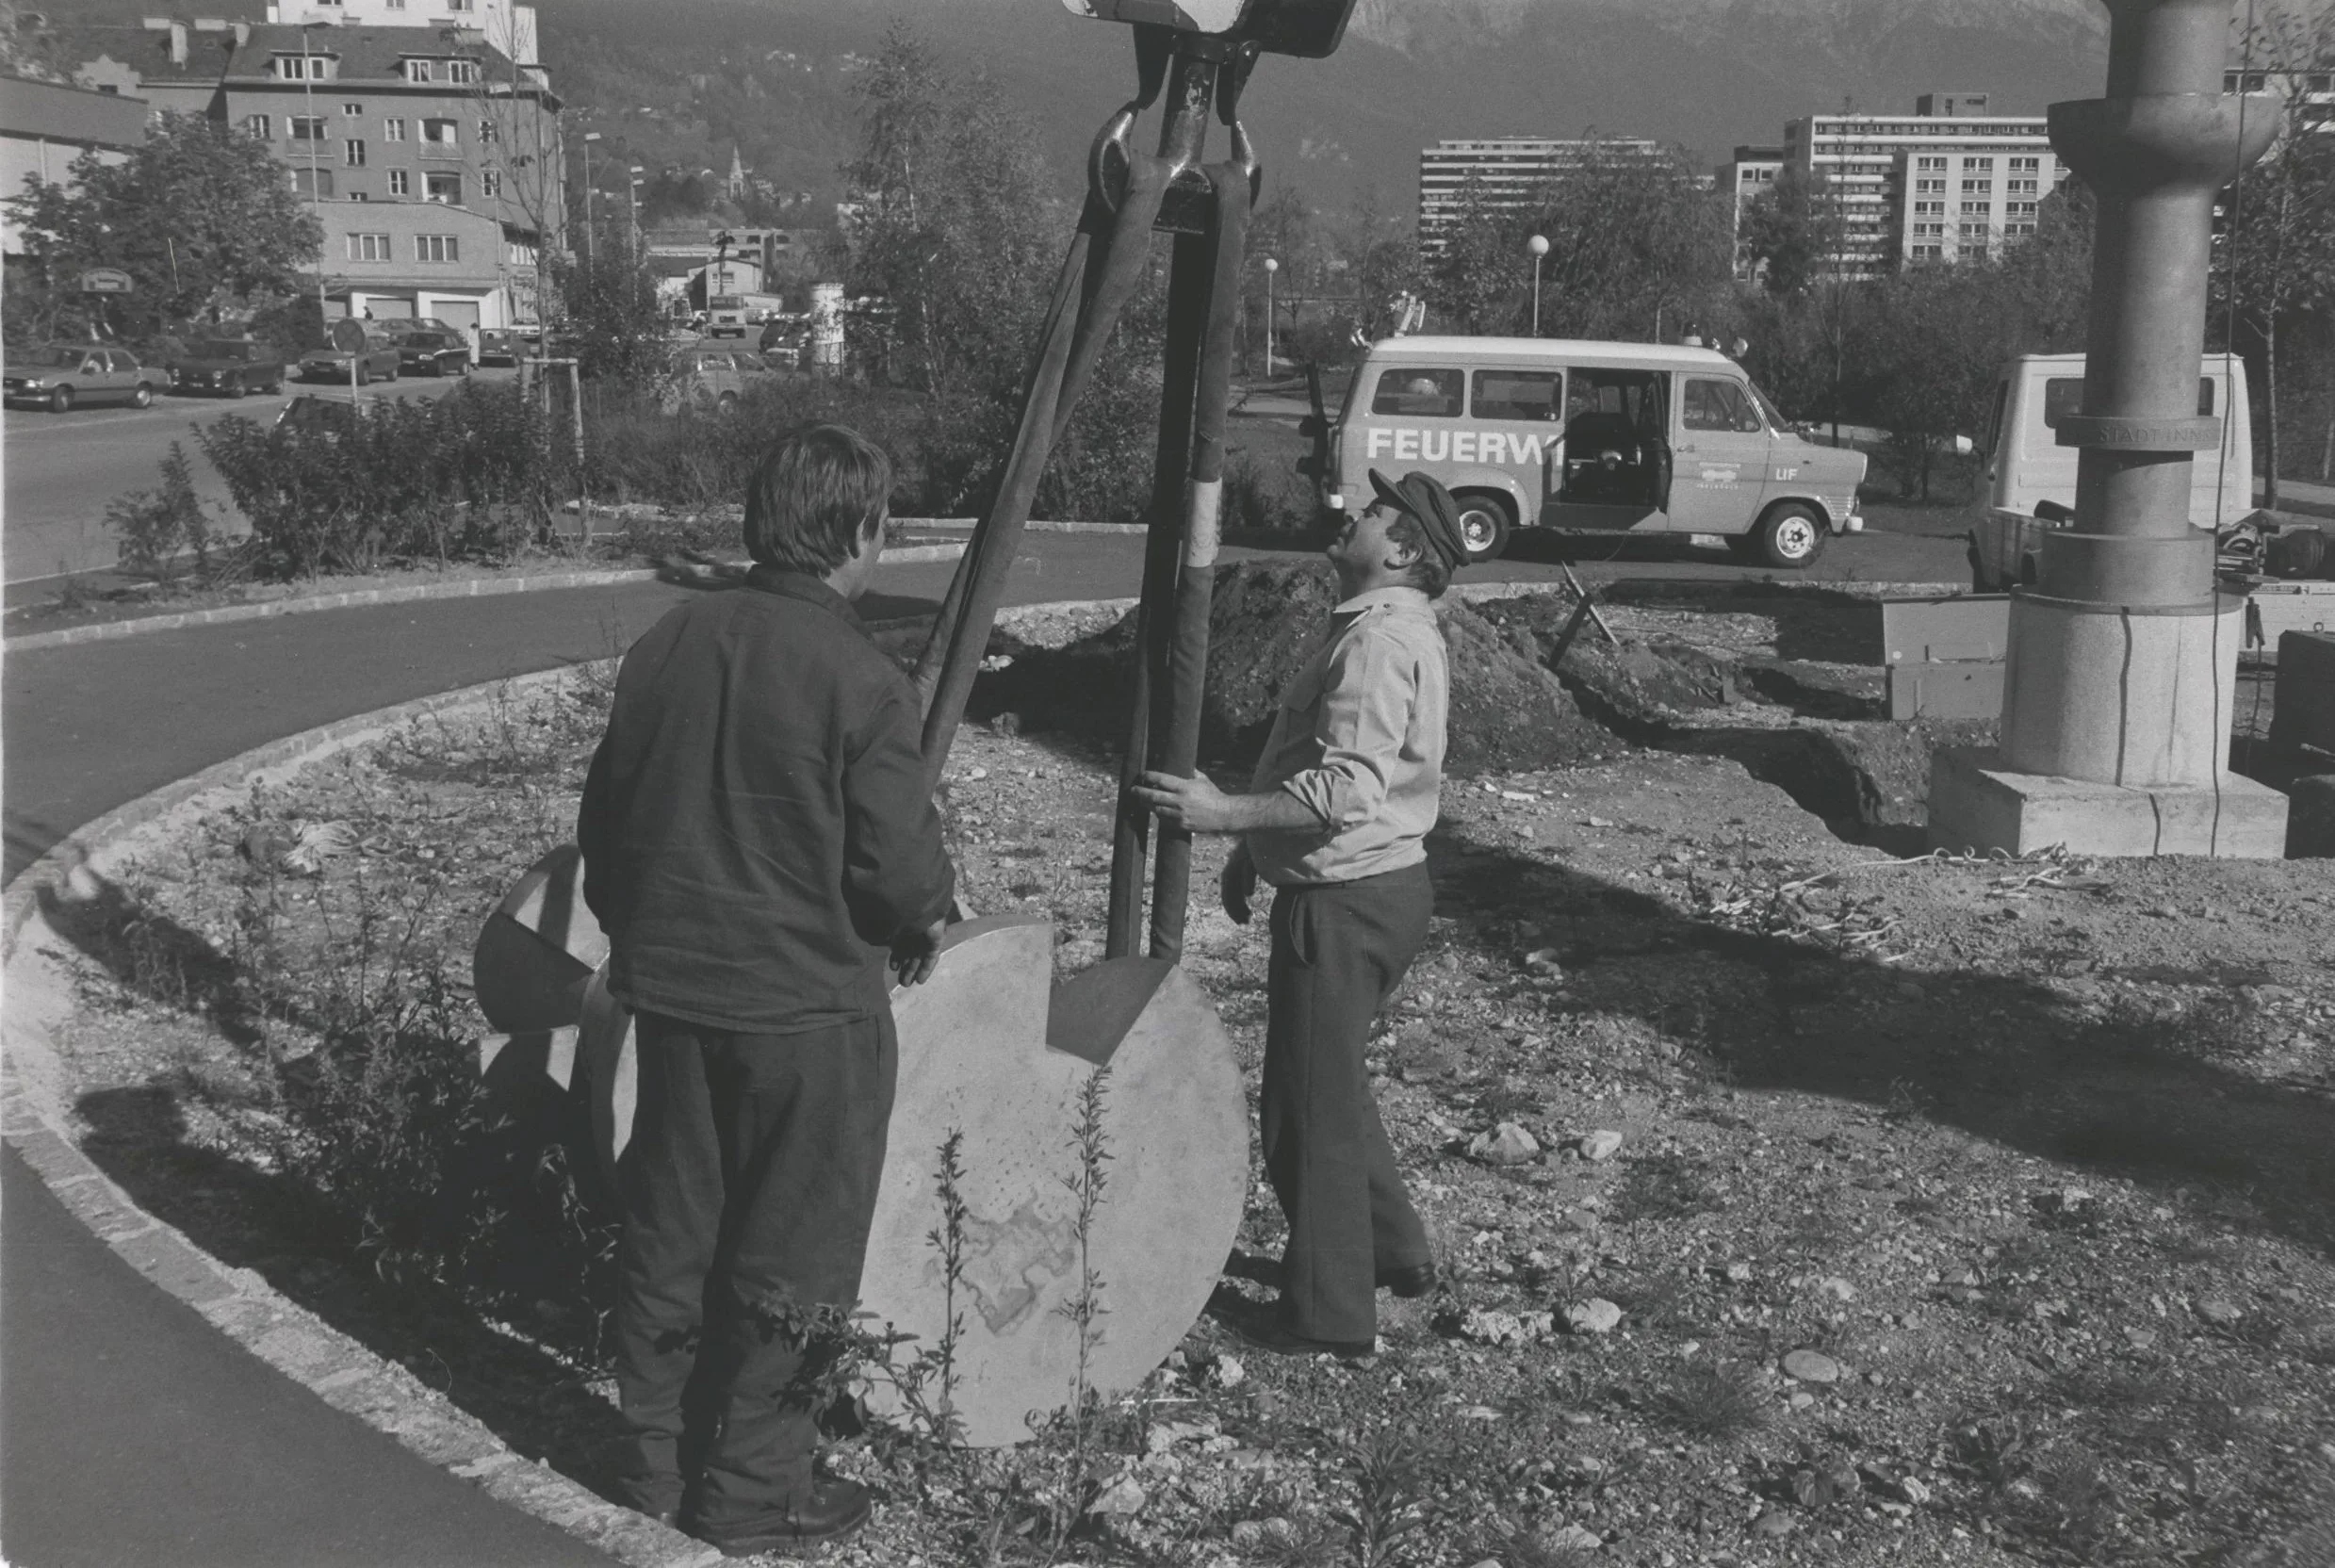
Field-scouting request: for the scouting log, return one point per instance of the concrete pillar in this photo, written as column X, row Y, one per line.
column 2123, row 655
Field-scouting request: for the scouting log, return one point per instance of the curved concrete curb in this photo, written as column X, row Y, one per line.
column 339, row 1370
column 477, row 587
column 34, row 1120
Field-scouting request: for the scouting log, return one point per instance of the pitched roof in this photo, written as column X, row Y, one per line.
column 365, row 54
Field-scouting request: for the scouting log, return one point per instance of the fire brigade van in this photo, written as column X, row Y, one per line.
column 2030, row 479
column 1588, row 438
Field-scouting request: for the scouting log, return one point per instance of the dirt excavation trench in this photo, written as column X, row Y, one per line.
column 1786, row 680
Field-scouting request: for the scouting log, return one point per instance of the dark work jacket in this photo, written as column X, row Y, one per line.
column 756, row 831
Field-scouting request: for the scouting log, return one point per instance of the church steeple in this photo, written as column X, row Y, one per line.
column 736, row 183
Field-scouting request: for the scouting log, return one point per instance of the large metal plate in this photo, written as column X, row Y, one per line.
column 991, row 1048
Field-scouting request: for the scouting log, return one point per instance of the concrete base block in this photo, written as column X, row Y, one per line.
column 1978, row 804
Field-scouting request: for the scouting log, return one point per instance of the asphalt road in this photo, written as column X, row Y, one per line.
column 62, row 469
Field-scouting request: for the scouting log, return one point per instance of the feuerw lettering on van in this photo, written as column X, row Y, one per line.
column 1411, row 444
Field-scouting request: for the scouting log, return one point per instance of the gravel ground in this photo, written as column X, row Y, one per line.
column 1799, row 1205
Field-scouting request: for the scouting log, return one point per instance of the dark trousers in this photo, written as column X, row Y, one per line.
column 1338, row 952
column 753, row 1168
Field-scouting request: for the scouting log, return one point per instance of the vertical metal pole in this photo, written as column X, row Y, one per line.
column 1177, row 737
column 1191, row 87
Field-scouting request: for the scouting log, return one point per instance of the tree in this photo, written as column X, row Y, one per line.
column 2275, row 260
column 200, row 215
column 1636, row 248
column 1788, row 229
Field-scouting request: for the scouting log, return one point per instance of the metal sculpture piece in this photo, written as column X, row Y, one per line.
column 992, row 1050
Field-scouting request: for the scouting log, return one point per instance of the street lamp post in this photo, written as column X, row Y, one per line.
column 632, row 211
column 1537, row 246
column 1271, row 267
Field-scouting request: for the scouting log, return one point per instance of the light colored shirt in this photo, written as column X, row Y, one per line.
column 1359, row 739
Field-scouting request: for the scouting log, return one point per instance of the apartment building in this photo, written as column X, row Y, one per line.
column 431, row 158
column 44, row 129
column 508, row 28
column 1510, row 173
column 1950, row 182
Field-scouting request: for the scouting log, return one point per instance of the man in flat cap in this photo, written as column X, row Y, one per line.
column 1336, row 819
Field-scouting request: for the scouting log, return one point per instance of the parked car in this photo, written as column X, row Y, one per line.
column 379, row 358
column 58, row 376
column 228, row 365
column 434, row 353
column 339, row 416
column 502, row 345
column 717, row 376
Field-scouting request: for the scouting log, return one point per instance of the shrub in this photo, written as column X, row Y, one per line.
column 467, row 476
column 164, row 531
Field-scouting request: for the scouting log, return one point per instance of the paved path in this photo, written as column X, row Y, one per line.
column 136, row 1433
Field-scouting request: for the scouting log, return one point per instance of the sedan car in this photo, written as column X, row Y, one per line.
column 434, row 353
column 228, row 365
column 61, row 375
column 502, row 345
column 379, row 358
column 718, row 376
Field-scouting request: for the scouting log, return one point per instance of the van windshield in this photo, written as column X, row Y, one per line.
column 1767, row 407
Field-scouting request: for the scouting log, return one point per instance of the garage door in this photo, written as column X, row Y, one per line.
column 456, row 313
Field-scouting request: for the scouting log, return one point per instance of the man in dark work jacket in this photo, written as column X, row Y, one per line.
column 759, row 847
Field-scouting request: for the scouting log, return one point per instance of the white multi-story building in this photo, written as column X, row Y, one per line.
column 508, row 28
column 1511, row 174
column 1950, row 182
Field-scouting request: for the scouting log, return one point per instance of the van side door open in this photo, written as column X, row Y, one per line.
column 1723, row 458
column 1519, row 429
column 1615, row 472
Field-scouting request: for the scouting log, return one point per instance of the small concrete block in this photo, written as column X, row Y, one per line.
column 242, row 1318
column 369, row 1397
column 49, row 1153
column 1976, row 804
column 443, row 1439
column 303, row 1351
column 164, row 1257
column 2311, row 819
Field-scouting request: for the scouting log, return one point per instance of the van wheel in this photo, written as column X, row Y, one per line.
column 1790, row 536
column 61, row 400
column 1485, row 521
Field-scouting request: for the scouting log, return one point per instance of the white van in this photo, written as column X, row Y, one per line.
column 1589, row 437
column 2030, row 479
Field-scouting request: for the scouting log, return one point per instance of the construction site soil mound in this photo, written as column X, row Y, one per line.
column 1267, row 620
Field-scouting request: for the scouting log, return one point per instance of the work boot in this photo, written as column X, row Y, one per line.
column 1409, row 1283
column 834, row 1509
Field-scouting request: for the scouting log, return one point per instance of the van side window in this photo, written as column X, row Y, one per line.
column 1407, row 390
column 1713, row 404
column 2064, row 395
column 1519, row 395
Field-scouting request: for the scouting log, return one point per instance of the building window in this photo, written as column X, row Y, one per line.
column 1929, row 165
column 458, row 5
column 313, row 182
column 369, row 247
column 256, row 125
column 1977, row 188
column 2022, row 187
column 400, row 183
column 418, row 71
column 437, row 247
column 438, row 133
column 1930, row 187
column 393, row 130
column 1929, row 228
column 307, row 127
column 1981, row 166
column 352, row 108
column 1974, row 209
column 312, row 67
column 1938, row 208
column 464, row 72
column 490, row 182
column 2026, row 166
column 359, row 196
column 445, row 189
column 2018, row 228
column 2020, row 209
column 352, row 153
column 489, row 131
